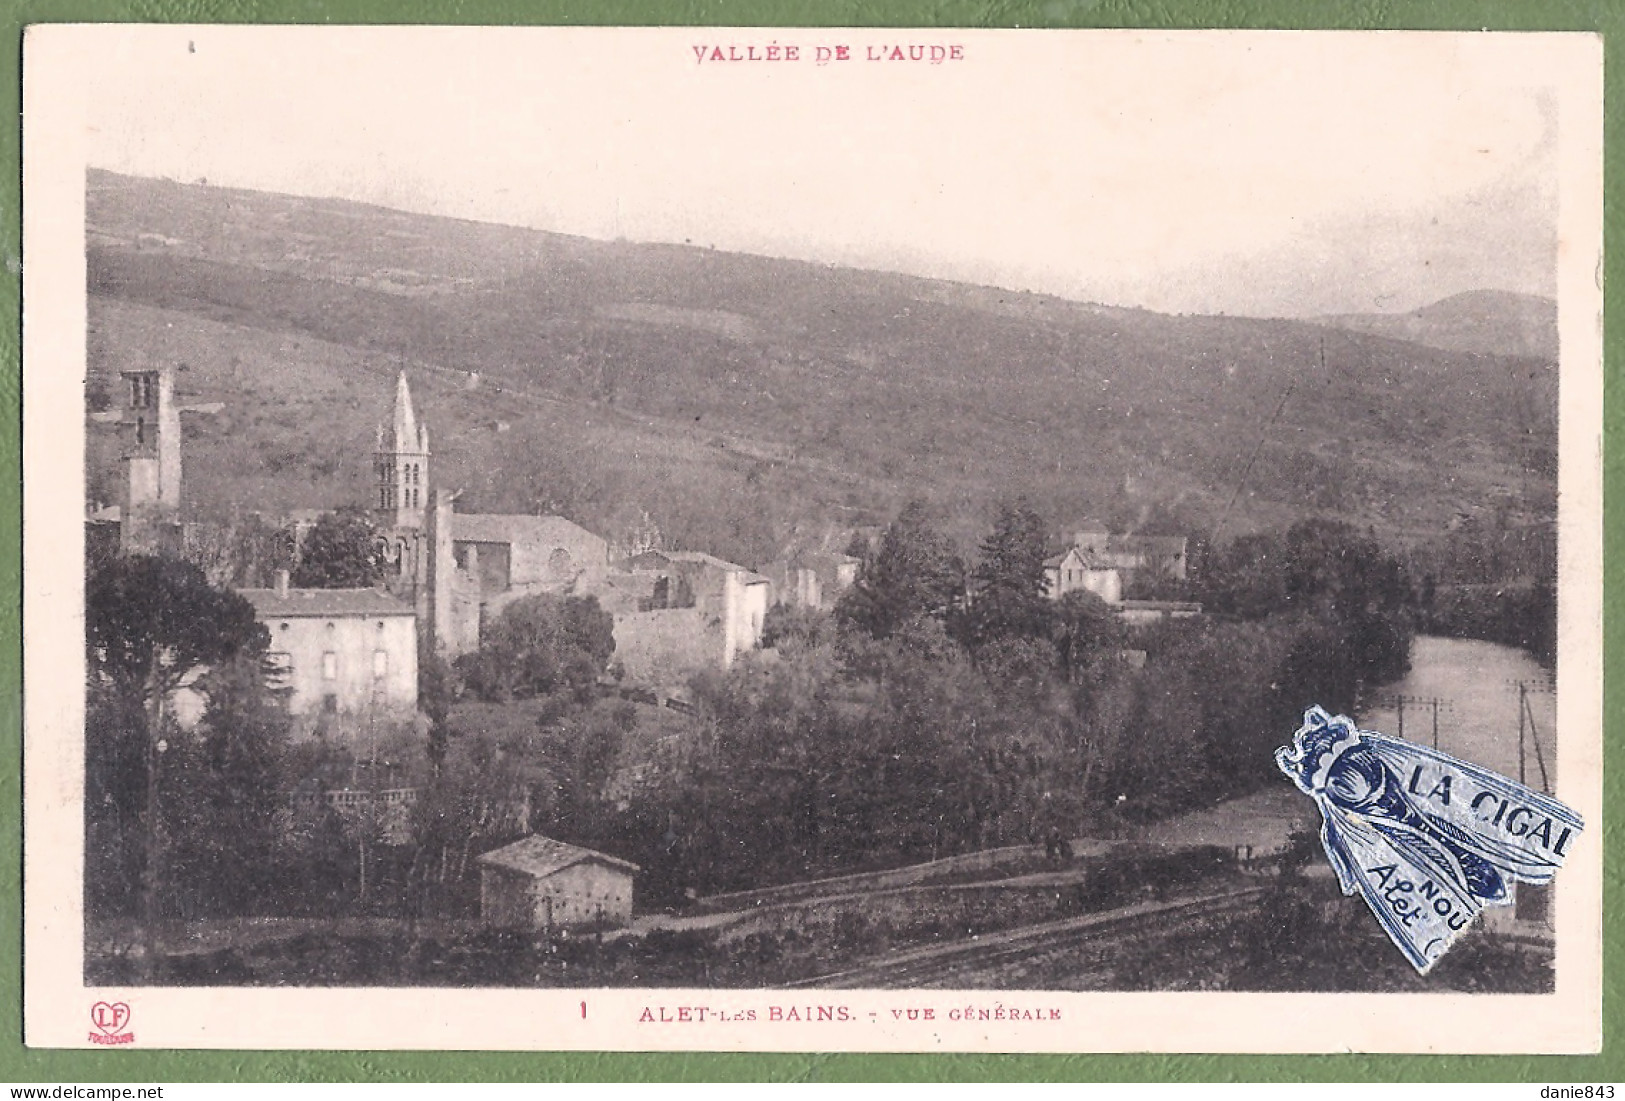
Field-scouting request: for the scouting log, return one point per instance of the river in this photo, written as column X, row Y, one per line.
column 1475, row 685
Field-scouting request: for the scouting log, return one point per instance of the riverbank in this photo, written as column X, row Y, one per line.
column 1477, row 689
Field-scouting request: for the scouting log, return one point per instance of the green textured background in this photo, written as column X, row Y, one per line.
column 21, row 1065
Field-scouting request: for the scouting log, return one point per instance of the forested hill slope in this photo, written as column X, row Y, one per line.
column 746, row 403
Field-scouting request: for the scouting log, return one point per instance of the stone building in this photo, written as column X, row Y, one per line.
column 813, row 579
column 459, row 569
column 693, row 611
column 541, row 884
column 514, row 555
column 150, row 423
column 348, row 657
column 401, row 465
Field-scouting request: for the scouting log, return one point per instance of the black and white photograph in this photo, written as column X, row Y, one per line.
column 834, row 524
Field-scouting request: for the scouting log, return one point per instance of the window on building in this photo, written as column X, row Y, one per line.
column 330, row 665
column 330, row 704
column 380, row 664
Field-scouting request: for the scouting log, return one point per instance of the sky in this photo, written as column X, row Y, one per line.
column 1261, row 173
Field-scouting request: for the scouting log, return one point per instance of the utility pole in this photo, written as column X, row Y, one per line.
column 150, row 894
column 1401, row 716
column 1435, row 722
column 368, row 816
column 1523, row 692
column 1534, row 738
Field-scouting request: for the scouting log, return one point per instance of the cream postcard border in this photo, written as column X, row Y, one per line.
column 57, row 1003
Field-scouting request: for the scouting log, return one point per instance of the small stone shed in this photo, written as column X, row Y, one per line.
column 540, row 883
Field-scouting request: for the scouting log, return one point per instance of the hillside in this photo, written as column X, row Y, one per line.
column 1486, row 322
column 746, row 403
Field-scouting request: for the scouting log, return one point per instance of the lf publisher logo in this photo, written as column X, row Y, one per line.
column 110, row 1018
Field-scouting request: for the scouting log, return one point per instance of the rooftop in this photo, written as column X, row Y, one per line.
column 270, row 604
column 515, row 528
column 542, row 856
column 1089, row 561
column 651, row 559
column 1134, row 544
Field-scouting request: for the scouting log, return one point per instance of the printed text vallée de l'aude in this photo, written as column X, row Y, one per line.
column 929, row 53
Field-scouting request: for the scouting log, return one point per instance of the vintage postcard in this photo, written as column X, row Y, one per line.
column 856, row 540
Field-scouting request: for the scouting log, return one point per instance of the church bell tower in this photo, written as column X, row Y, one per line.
column 153, row 453
column 152, row 460
column 401, row 465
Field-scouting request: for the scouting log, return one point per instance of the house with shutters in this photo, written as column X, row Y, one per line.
column 346, row 656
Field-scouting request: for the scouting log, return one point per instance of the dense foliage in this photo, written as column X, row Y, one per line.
column 539, row 645
column 941, row 710
column 340, row 551
column 1492, row 578
column 155, row 629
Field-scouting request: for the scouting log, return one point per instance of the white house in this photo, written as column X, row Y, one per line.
column 341, row 652
column 1077, row 571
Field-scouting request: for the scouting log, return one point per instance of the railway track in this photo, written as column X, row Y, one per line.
column 1090, row 938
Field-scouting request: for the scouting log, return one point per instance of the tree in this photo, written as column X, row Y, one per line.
column 790, row 629
column 914, row 572
column 222, row 792
column 340, row 551
column 437, row 688
column 1010, row 594
column 540, row 645
column 152, row 622
column 244, row 552
column 580, row 754
column 480, row 798
column 1245, row 578
column 1349, row 580
column 1086, row 632
column 151, row 625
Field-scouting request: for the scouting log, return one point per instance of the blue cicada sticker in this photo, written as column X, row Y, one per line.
column 1429, row 841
